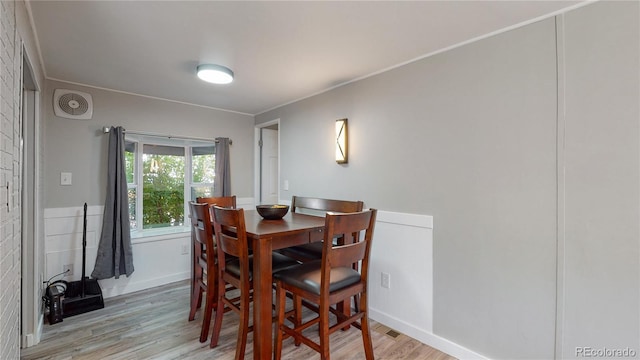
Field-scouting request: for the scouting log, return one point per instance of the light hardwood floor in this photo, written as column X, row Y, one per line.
column 152, row 324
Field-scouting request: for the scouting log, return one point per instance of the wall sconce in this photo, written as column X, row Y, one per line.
column 341, row 141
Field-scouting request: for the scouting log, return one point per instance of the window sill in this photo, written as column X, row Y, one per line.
column 151, row 235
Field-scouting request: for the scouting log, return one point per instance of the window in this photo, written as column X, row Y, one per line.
column 202, row 171
column 163, row 175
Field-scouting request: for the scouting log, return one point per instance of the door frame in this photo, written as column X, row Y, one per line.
column 257, row 159
column 32, row 252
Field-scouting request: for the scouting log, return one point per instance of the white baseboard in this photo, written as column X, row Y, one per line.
column 425, row 337
column 29, row 340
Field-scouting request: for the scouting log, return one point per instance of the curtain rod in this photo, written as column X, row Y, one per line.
column 106, row 130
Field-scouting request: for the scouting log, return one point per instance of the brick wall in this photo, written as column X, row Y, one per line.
column 10, row 242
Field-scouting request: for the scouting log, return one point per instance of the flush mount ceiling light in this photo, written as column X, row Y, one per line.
column 216, row 74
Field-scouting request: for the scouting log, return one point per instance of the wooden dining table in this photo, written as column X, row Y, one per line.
column 266, row 236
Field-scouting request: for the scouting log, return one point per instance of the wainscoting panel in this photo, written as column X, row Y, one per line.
column 403, row 248
column 63, row 240
column 157, row 260
column 156, row 263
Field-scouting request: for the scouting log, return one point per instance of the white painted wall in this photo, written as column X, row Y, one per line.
column 474, row 136
column 600, row 238
column 80, row 146
column 467, row 137
column 524, row 147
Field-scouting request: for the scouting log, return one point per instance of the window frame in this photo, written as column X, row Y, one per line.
column 138, row 176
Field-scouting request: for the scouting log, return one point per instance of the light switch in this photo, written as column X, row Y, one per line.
column 286, row 185
column 65, row 178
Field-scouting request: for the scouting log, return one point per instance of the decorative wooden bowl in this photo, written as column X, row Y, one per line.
column 272, row 212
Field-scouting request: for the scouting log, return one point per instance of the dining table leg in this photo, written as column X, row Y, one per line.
column 262, row 299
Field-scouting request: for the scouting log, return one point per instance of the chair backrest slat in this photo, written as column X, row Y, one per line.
column 349, row 224
column 318, row 204
column 222, row 201
column 345, row 255
column 229, row 242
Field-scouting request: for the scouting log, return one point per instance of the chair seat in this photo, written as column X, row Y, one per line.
column 278, row 262
column 307, row 277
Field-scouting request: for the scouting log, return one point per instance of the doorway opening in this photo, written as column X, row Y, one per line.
column 267, row 162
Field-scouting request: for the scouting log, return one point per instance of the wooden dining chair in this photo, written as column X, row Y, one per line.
column 205, row 268
column 199, row 254
column 329, row 281
column 235, row 267
column 317, row 206
column 313, row 250
column 224, row 201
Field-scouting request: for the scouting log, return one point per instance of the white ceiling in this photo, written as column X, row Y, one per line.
column 280, row 51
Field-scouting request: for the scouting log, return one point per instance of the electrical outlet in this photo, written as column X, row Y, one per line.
column 68, row 269
column 385, row 280
column 185, row 249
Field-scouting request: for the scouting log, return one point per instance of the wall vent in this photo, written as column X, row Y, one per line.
column 72, row 104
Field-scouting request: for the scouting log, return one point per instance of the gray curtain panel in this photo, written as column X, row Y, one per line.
column 115, row 257
column 222, row 182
